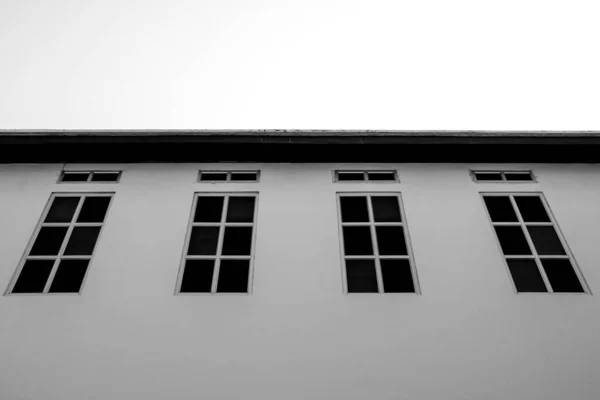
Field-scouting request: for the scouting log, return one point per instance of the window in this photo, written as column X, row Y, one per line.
column 502, row 176
column 365, row 176
column 375, row 246
column 89, row 176
column 58, row 259
column 219, row 246
column 228, row 176
column 535, row 252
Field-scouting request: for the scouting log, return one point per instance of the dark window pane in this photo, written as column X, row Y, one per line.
column 48, row 241
column 351, row 176
column 512, row 240
column 397, row 276
column 75, row 177
column 546, row 240
column 361, row 276
column 526, row 276
column 197, row 276
column 82, row 241
column 240, row 209
column 213, row 176
column 500, row 209
column 386, row 209
column 105, row 176
column 209, row 209
column 69, row 276
column 33, row 276
column 237, row 241
column 354, row 209
column 511, row 176
column 562, row 276
column 93, row 209
column 381, row 176
column 203, row 240
column 532, row 209
column 357, row 241
column 233, row 276
column 390, row 240
column 62, row 209
column 240, row 177
column 488, row 176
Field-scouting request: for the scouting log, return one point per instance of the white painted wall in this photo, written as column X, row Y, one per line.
column 468, row 336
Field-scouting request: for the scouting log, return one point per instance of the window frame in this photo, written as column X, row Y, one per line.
column 473, row 172
column 365, row 173
column 376, row 256
column 228, row 172
column 218, row 256
column 90, row 176
column 60, row 256
column 534, row 254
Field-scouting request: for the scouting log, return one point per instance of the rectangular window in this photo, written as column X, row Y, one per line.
column 502, row 176
column 365, row 176
column 535, row 252
column 375, row 246
column 228, row 176
column 219, row 245
column 89, row 176
column 58, row 259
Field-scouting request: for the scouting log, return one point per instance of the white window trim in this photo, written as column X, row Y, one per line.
column 217, row 257
column 502, row 172
column 90, row 175
column 71, row 225
column 228, row 173
column 365, row 173
column 372, row 224
column 534, row 255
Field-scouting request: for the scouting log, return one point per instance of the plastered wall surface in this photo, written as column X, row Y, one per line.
column 297, row 335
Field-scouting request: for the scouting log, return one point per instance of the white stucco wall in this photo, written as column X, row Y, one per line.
column 297, row 336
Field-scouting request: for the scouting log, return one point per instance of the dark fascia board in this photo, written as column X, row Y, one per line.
column 297, row 146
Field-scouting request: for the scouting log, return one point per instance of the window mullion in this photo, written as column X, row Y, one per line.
column 375, row 245
column 213, row 287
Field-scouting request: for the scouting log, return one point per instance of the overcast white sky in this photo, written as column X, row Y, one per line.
column 321, row 64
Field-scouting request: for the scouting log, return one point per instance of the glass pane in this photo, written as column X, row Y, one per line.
column 357, row 241
column 94, row 209
column 233, row 276
column 203, row 240
column 500, row 209
column 386, row 209
column 532, row 209
column 48, row 241
column 512, row 240
column 526, row 276
column 237, row 241
column 62, row 209
column 354, row 209
column 105, row 177
column 33, row 276
column 243, row 176
column 546, row 240
column 488, row 176
column 75, row 177
column 240, row 209
column 69, row 276
column 213, row 176
column 361, row 276
column 209, row 209
column 197, row 276
column 512, row 176
column 351, row 176
column 562, row 276
column 390, row 240
column 82, row 241
column 381, row 176
column 397, row 276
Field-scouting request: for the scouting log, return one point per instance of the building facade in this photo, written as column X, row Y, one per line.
column 204, row 265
